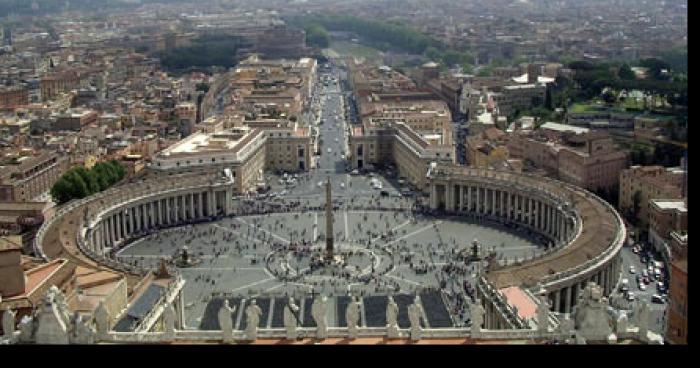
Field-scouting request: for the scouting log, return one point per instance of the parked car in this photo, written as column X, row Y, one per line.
column 630, row 296
column 624, row 285
column 642, row 287
column 632, row 270
column 657, row 299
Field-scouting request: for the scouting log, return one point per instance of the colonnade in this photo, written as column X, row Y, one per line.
column 531, row 208
column 131, row 219
column 511, row 204
column 564, row 298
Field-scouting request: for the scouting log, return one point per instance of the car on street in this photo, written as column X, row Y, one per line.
column 624, row 285
column 329, row 150
column 632, row 270
column 630, row 296
column 656, row 298
column 642, row 287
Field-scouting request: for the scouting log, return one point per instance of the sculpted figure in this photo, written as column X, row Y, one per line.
column 102, row 320
column 392, row 312
column 352, row 316
column 318, row 312
column 415, row 313
column 8, row 323
column 225, row 321
column 477, row 315
column 26, row 329
column 291, row 320
column 169, row 321
column 252, row 313
column 82, row 333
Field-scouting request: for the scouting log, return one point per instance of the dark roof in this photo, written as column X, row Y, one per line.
column 140, row 308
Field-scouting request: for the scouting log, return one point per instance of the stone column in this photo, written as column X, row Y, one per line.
column 110, row 238
column 191, row 206
column 562, row 226
column 96, row 237
column 200, row 205
column 115, row 228
column 478, row 200
column 122, row 219
column 509, row 204
column 181, row 207
column 449, row 203
column 227, row 201
column 577, row 288
column 159, row 219
column 139, row 217
column 493, row 202
column 185, row 208
column 211, row 203
column 460, row 194
column 567, row 302
column 557, row 301
column 152, row 213
column 469, row 198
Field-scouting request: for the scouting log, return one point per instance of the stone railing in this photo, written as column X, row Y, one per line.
column 216, row 336
column 599, row 259
column 174, row 287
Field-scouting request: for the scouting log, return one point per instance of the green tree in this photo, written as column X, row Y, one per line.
column 433, row 54
column 61, row 191
column 317, row 36
column 203, row 86
column 626, row 73
column 89, row 179
column 79, row 189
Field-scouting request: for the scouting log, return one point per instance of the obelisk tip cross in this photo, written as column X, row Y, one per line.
column 329, row 221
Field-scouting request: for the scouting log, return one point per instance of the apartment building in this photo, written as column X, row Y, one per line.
column 28, row 177
column 651, row 182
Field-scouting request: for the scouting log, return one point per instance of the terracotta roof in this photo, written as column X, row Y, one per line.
column 516, row 297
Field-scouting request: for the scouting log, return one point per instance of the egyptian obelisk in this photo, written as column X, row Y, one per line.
column 329, row 221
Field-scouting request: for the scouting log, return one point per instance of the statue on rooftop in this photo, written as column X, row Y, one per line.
column 318, row 312
column 225, row 321
column 352, row 316
column 253, row 313
column 291, row 320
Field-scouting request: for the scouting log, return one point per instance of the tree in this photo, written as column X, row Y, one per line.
column 203, row 86
column 317, row 36
column 61, row 191
column 432, row 53
column 655, row 67
column 609, row 97
column 626, row 73
column 89, row 178
column 79, row 189
column 80, row 182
